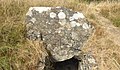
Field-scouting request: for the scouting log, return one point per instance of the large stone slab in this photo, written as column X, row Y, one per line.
column 64, row 31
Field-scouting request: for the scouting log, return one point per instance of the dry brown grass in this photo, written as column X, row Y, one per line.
column 16, row 53
column 105, row 49
column 105, row 43
column 30, row 55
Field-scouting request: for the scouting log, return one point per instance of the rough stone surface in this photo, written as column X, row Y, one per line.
column 64, row 31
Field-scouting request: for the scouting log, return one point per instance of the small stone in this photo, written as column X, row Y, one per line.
column 61, row 15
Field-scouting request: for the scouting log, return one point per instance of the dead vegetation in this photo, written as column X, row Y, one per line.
column 17, row 53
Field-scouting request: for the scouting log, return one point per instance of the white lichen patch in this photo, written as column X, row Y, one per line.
column 29, row 13
column 78, row 24
column 49, row 31
column 71, row 18
column 74, row 35
column 33, row 20
column 73, row 23
column 41, row 9
column 61, row 10
column 49, row 23
column 92, row 61
column 58, row 7
column 52, row 15
column 78, row 15
column 68, row 46
column 62, row 22
column 62, row 46
column 38, row 36
column 59, row 31
column 85, row 26
column 70, row 9
column 61, row 15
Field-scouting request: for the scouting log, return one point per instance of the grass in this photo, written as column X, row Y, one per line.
column 112, row 13
column 17, row 53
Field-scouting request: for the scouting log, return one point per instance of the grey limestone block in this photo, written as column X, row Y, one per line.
column 63, row 30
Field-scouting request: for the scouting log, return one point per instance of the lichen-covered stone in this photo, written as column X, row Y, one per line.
column 64, row 31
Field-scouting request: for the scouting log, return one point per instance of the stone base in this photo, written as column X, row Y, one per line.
column 86, row 62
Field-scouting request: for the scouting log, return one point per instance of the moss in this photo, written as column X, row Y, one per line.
column 105, row 12
column 7, row 57
column 116, row 21
column 116, row 17
column 112, row 13
column 12, row 33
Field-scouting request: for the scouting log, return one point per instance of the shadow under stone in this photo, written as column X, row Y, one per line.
column 70, row 64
